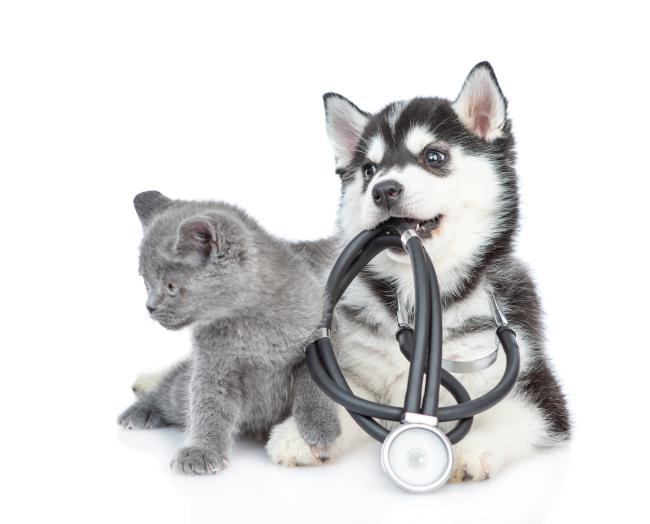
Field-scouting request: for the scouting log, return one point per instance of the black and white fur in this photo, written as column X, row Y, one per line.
column 466, row 206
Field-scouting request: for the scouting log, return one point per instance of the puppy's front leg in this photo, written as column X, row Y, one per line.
column 509, row 431
column 215, row 405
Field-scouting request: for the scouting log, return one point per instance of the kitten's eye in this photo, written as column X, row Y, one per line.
column 434, row 158
column 369, row 171
column 172, row 289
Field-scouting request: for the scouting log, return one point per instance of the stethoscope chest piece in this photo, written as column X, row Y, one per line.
column 417, row 457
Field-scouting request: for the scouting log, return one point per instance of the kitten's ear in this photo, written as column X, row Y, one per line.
column 345, row 123
column 481, row 106
column 148, row 203
column 197, row 237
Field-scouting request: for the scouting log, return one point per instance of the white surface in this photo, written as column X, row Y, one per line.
column 101, row 100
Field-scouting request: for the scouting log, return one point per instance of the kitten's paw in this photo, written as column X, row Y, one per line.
column 318, row 431
column 473, row 461
column 286, row 447
column 139, row 416
column 193, row 460
column 146, row 382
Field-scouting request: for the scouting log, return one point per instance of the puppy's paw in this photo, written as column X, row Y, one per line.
column 286, row 447
column 474, row 460
column 141, row 416
column 193, row 460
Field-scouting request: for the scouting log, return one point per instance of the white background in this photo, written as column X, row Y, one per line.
column 101, row 100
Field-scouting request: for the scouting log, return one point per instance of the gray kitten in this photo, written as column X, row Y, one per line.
column 253, row 302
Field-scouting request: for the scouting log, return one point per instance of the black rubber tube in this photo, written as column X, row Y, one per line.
column 340, row 268
column 413, row 397
column 460, row 394
column 434, row 363
column 377, row 245
column 405, row 339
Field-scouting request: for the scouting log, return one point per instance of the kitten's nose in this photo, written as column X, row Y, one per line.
column 386, row 194
column 151, row 309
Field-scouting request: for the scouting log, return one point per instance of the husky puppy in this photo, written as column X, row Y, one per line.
column 449, row 168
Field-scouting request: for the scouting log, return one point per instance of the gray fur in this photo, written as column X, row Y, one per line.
column 147, row 203
column 252, row 302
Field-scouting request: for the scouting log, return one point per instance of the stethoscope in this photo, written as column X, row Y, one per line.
column 416, row 454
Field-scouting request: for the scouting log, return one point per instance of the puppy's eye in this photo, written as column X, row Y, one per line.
column 369, row 171
column 172, row 289
column 434, row 158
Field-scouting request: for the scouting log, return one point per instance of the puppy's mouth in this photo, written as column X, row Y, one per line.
column 424, row 228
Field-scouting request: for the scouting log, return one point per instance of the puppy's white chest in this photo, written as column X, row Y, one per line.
column 375, row 360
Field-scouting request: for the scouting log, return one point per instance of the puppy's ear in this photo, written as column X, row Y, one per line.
column 345, row 123
column 481, row 106
column 149, row 203
column 197, row 237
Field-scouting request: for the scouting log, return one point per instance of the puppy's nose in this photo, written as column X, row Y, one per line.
column 386, row 194
column 151, row 309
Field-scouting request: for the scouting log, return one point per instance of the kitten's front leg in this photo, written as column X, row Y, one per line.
column 316, row 415
column 288, row 445
column 215, row 405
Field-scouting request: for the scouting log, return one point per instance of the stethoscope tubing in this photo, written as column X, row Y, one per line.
column 422, row 344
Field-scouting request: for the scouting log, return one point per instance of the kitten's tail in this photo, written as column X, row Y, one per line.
column 147, row 381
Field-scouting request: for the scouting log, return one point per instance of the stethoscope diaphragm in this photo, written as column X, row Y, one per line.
column 417, row 457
